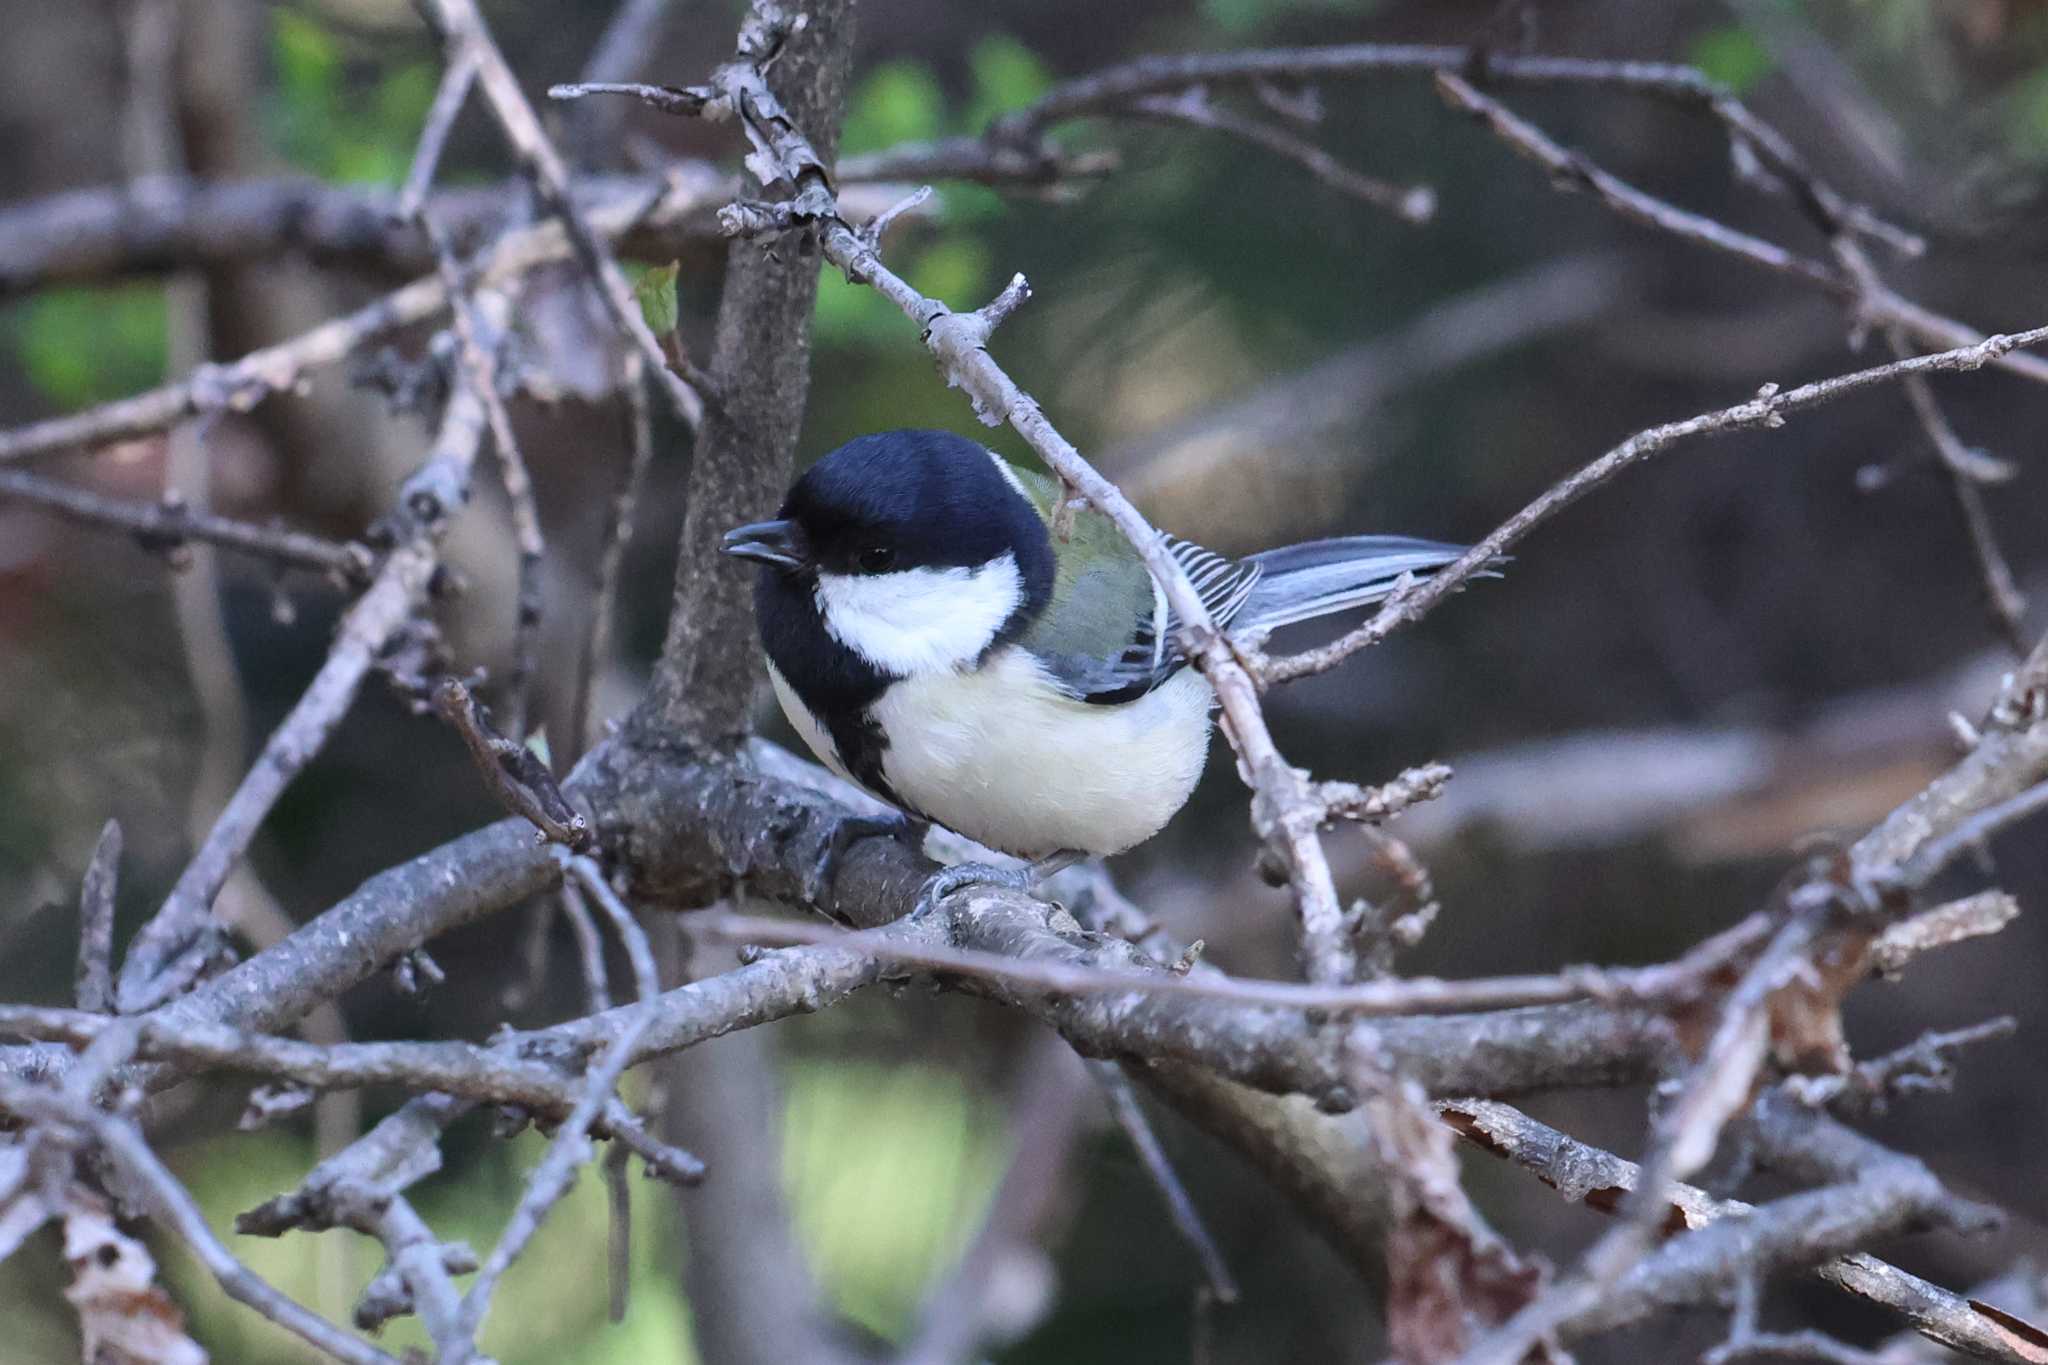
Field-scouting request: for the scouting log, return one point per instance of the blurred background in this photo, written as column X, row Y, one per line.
column 1748, row 642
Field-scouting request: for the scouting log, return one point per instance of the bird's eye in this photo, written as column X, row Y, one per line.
column 876, row 559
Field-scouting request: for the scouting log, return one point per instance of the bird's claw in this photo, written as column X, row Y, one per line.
column 823, row 874
column 947, row 880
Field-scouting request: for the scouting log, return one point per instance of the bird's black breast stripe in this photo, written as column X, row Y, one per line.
column 837, row 686
column 861, row 744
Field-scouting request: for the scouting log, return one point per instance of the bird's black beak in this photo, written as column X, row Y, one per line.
column 780, row 543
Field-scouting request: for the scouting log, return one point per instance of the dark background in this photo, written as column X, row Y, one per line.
column 1721, row 654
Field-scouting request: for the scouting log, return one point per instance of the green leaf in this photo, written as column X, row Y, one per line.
column 1732, row 56
column 655, row 288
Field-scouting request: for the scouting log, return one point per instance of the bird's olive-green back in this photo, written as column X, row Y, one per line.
column 1101, row 594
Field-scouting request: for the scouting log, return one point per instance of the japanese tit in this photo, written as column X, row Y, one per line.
column 931, row 639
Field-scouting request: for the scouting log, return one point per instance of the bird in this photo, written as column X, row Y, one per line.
column 933, row 637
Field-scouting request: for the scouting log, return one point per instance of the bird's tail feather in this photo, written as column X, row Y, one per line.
column 1321, row 577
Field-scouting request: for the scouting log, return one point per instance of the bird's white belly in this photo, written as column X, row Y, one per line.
column 1002, row 756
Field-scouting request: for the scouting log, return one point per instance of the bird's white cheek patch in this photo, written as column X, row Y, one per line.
column 920, row 620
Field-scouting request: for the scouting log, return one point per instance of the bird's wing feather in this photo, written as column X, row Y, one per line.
column 1322, row 577
column 1107, row 635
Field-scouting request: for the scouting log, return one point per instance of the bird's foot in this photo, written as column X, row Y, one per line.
column 947, row 880
column 823, row 874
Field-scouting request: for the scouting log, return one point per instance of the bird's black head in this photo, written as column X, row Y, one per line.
column 898, row 501
column 900, row 553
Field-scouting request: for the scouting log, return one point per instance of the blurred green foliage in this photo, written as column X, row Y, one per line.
column 81, row 346
column 1731, row 55
column 2029, row 116
column 889, row 1169
column 339, row 117
column 903, row 101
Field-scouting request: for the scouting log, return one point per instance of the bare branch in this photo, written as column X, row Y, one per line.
column 571, row 1146
column 175, row 945
column 1987, row 912
column 618, row 536
column 1180, row 1206
column 1754, row 141
column 1767, row 410
column 477, row 346
column 513, row 772
column 1965, row 471
column 449, row 98
column 1412, row 204
column 1571, row 171
column 168, row 525
column 171, row 1203
column 1924, row 1064
column 1679, row 980
column 467, row 38
column 95, row 977
column 242, row 384
column 1686, row 1134
column 1587, row 1175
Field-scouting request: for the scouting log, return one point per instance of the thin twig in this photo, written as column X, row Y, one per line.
column 1600, row 1180
column 241, row 385
column 1409, row 995
column 513, row 772
column 1180, row 1206
column 1766, row 411
column 1937, row 853
column 464, row 32
column 1412, row 204
column 171, row 1203
column 597, row 997
column 478, row 353
column 1106, row 92
column 618, row 537
column 95, row 978
column 1924, row 1064
column 449, row 97
column 1962, row 468
column 1687, row 1133
column 176, row 944
column 1570, row 170
column 167, row 525
column 571, row 1146
column 1970, row 917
